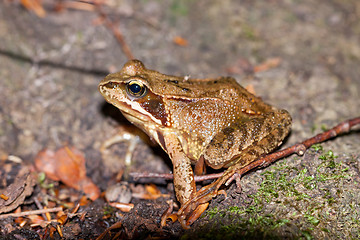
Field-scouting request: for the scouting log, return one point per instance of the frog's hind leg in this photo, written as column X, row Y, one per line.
column 193, row 208
column 237, row 166
column 200, row 167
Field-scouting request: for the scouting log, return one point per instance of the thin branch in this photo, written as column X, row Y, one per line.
column 300, row 148
column 170, row 176
column 33, row 212
column 116, row 32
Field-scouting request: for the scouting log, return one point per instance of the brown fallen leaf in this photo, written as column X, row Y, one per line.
column 35, row 6
column 180, row 41
column 45, row 161
column 88, row 187
column 269, row 63
column 4, row 197
column 84, row 201
column 35, row 219
column 149, row 192
column 61, row 218
column 152, row 189
column 124, row 207
column 17, row 191
column 68, row 166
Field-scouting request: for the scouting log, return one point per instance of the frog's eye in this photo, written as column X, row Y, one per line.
column 135, row 89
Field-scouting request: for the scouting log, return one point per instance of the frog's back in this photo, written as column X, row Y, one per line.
column 208, row 108
column 222, row 87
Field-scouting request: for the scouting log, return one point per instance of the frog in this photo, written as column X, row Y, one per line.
column 206, row 123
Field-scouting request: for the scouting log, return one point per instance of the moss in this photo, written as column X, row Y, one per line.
column 249, row 32
column 317, row 147
column 293, row 201
column 180, row 8
column 108, row 210
column 324, row 127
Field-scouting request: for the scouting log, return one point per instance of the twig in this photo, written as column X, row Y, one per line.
column 39, row 205
column 33, row 212
column 170, row 176
column 300, row 148
column 116, row 32
column 137, row 175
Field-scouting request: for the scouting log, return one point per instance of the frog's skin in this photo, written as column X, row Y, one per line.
column 197, row 121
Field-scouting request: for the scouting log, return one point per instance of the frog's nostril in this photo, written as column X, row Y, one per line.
column 111, row 85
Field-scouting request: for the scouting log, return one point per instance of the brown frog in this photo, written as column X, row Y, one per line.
column 206, row 122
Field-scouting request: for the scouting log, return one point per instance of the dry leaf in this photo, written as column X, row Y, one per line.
column 17, row 191
column 152, row 189
column 4, row 197
column 45, row 161
column 88, row 187
column 84, row 201
column 67, row 165
column 70, row 166
column 124, row 207
column 150, row 192
column 269, row 63
column 180, row 41
column 35, row 6
column 36, row 219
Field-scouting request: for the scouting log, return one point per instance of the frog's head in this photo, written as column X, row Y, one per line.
column 132, row 92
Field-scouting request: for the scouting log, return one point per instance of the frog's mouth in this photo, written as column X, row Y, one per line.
column 134, row 112
column 130, row 108
column 136, row 120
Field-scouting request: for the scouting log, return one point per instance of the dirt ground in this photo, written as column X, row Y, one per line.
column 50, row 68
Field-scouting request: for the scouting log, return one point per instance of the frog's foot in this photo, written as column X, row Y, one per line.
column 186, row 221
column 123, row 135
column 168, row 214
column 237, row 178
column 192, row 209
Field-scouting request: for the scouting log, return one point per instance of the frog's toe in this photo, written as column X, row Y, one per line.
column 168, row 215
column 173, row 217
column 196, row 213
column 237, row 177
column 185, row 218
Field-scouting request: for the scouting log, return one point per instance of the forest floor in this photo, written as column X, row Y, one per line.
column 302, row 56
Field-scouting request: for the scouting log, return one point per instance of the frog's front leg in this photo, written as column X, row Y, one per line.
column 184, row 183
column 185, row 190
